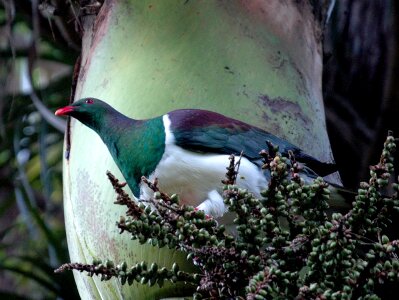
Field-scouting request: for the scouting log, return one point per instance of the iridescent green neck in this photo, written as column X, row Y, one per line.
column 136, row 147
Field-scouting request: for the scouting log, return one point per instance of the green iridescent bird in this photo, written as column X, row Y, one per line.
column 187, row 150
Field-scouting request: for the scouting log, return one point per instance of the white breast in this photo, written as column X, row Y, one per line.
column 196, row 177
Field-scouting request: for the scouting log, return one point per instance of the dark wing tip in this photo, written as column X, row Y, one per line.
column 320, row 168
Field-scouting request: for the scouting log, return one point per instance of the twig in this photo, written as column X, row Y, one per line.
column 123, row 198
column 91, row 269
column 154, row 187
column 232, row 169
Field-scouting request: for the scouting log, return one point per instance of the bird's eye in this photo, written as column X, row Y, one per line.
column 89, row 101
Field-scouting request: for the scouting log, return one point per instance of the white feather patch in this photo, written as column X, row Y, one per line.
column 196, row 177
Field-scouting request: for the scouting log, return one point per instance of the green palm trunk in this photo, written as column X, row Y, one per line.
column 257, row 61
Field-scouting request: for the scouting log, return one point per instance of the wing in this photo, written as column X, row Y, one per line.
column 206, row 131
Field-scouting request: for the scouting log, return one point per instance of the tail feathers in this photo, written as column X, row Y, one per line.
column 323, row 169
column 341, row 198
column 320, row 168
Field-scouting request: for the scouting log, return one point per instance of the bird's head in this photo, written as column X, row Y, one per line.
column 90, row 111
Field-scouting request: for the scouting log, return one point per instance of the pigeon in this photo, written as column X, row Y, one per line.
column 188, row 151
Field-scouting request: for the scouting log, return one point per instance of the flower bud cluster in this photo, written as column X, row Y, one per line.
column 287, row 244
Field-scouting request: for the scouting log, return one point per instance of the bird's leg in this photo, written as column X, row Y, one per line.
column 213, row 205
column 123, row 184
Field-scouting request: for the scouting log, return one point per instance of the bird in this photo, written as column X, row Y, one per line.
column 187, row 150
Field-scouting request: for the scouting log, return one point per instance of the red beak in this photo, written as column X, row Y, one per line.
column 64, row 111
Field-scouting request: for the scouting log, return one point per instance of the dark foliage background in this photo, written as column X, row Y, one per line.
column 39, row 44
column 360, row 82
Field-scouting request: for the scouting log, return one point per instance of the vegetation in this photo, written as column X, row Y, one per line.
column 286, row 246
column 34, row 78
